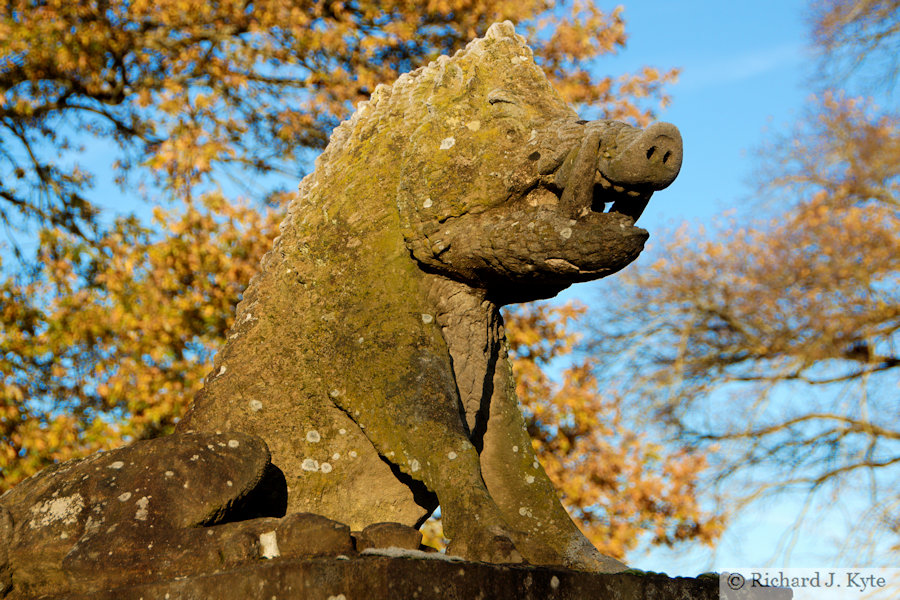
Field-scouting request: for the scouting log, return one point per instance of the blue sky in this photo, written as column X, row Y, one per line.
column 745, row 68
column 747, row 72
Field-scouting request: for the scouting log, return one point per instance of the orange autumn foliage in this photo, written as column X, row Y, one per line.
column 112, row 340
column 194, row 93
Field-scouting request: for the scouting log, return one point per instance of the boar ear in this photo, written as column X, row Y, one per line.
column 499, row 31
column 501, row 96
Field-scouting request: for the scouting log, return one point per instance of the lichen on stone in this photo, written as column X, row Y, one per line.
column 63, row 510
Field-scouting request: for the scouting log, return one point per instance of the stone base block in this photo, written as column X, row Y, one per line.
column 410, row 575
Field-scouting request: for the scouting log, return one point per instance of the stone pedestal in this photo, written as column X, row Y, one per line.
column 374, row 576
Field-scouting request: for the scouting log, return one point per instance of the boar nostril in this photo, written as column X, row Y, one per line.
column 650, row 160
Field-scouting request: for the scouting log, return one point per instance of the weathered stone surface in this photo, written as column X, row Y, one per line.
column 305, row 534
column 381, row 578
column 388, row 535
column 129, row 514
column 6, row 534
column 111, row 561
column 369, row 352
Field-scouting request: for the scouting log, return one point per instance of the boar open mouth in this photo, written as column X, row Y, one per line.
column 610, row 197
column 604, row 197
column 617, row 168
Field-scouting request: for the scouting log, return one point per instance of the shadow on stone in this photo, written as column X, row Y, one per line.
column 268, row 499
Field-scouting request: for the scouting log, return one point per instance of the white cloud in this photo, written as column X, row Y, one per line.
column 731, row 69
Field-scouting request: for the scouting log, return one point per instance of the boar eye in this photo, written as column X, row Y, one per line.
column 500, row 97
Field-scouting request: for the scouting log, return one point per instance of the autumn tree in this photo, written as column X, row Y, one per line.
column 195, row 95
column 774, row 341
column 112, row 340
column 851, row 34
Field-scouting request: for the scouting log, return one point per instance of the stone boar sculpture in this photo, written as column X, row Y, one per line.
column 369, row 352
column 366, row 378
